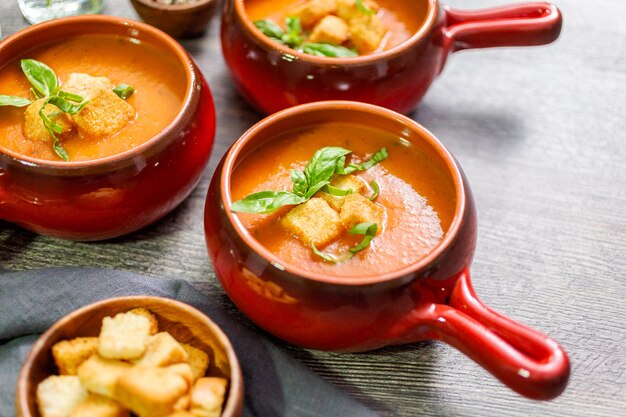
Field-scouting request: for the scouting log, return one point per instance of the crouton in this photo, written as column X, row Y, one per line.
column 313, row 10
column 183, row 370
column 183, row 402
column 86, row 85
column 344, row 182
column 181, row 413
column 124, row 336
column 104, row 115
column 198, row 360
column 313, row 222
column 34, row 128
column 207, row 397
column 99, row 406
column 154, row 324
column 58, row 396
column 150, row 391
column 347, row 9
column 358, row 209
column 366, row 32
column 330, row 29
column 162, row 350
column 99, row 375
column 70, row 354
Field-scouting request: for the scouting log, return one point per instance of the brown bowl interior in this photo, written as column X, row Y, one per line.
column 185, row 323
column 180, row 20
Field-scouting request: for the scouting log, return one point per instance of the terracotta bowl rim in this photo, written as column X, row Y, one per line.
column 233, row 153
column 174, row 7
column 167, row 43
column 401, row 48
column 236, row 377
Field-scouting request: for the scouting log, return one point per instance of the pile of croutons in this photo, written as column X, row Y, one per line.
column 104, row 115
column 342, row 22
column 324, row 218
column 130, row 368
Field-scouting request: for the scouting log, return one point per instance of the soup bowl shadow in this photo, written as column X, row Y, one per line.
column 431, row 298
column 112, row 196
column 274, row 77
column 182, row 321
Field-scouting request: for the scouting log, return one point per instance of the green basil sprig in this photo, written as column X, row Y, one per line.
column 325, row 163
column 363, row 8
column 367, row 229
column 14, row 101
column 294, row 38
column 124, row 91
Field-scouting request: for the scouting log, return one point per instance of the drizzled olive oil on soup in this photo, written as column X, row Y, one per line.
column 418, row 203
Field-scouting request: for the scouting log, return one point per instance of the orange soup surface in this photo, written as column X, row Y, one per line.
column 159, row 81
column 401, row 18
column 418, row 203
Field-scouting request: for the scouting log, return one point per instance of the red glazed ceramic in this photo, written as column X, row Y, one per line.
column 430, row 299
column 273, row 77
column 182, row 321
column 113, row 196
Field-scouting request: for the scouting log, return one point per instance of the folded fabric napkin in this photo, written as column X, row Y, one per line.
column 275, row 384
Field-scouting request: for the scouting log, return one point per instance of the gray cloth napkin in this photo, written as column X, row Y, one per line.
column 275, row 384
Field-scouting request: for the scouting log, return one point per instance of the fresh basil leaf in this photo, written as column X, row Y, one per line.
column 59, row 150
column 49, row 124
column 65, row 106
column 368, row 230
column 69, row 96
column 300, row 184
column 40, row 76
column 293, row 37
column 376, row 158
column 363, row 8
column 337, row 192
column 269, row 28
column 376, row 190
column 330, row 258
column 327, row 49
column 323, row 164
column 13, row 101
column 124, row 91
column 315, row 188
column 265, row 202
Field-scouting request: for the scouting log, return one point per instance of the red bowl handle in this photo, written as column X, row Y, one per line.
column 523, row 359
column 523, row 24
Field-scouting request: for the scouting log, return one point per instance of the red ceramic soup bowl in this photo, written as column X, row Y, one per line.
column 430, row 299
column 273, row 77
column 113, row 196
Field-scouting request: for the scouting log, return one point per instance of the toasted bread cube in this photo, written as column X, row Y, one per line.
column 183, row 403
column 154, row 324
column 99, row 375
column 34, row 128
column 124, row 336
column 183, row 370
column 150, row 391
column 347, row 9
column 344, row 182
column 181, row 413
column 104, row 115
column 58, row 396
column 330, row 29
column 162, row 350
column 99, row 406
column 70, row 354
column 367, row 32
column 207, row 397
column 198, row 360
column 358, row 209
column 86, row 85
column 313, row 11
column 313, row 222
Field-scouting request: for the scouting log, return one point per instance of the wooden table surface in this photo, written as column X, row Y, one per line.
column 540, row 134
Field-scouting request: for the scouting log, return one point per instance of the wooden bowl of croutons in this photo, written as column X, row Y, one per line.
column 143, row 356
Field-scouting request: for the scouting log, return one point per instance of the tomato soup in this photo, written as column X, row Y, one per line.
column 159, row 81
column 401, row 18
column 418, row 202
